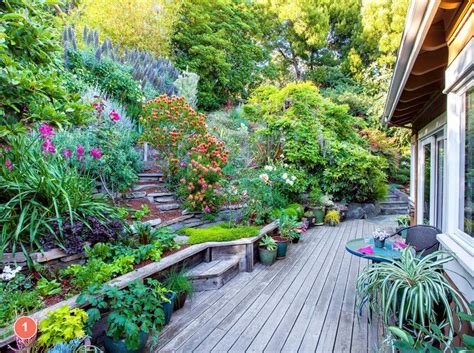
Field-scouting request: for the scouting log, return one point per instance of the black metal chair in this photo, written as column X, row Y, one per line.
column 422, row 238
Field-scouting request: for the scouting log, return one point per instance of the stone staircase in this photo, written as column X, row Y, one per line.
column 214, row 274
column 396, row 204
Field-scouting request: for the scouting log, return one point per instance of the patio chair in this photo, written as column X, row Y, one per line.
column 422, row 238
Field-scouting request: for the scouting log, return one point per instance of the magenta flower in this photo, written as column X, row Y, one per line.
column 183, row 164
column 207, row 209
column 96, row 153
column 67, row 153
column 9, row 165
column 79, row 152
column 48, row 146
column 46, row 131
column 114, row 115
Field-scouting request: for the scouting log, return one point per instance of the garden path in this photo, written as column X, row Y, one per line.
column 304, row 303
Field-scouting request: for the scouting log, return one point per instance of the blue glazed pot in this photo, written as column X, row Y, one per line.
column 119, row 346
column 168, row 307
column 282, row 247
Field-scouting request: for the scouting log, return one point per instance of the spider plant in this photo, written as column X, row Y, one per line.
column 413, row 292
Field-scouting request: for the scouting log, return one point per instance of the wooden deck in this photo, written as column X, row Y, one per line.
column 304, row 303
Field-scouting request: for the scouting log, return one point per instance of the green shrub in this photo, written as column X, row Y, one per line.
column 40, row 189
column 32, row 85
column 219, row 233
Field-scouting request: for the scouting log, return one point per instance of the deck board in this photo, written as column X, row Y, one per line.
column 305, row 303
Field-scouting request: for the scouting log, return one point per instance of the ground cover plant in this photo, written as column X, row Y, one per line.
column 223, row 232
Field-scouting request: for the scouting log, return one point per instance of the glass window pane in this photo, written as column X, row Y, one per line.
column 469, row 166
column 427, row 184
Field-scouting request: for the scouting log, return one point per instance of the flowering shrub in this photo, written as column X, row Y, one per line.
column 192, row 159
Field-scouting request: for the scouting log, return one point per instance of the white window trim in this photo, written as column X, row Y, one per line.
column 459, row 79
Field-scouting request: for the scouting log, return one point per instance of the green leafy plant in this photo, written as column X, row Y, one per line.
column 178, row 282
column 47, row 287
column 268, row 243
column 142, row 212
column 413, row 290
column 403, row 221
column 219, row 233
column 122, row 265
column 287, row 226
column 135, row 309
column 95, row 271
column 332, row 218
column 62, row 325
column 99, row 251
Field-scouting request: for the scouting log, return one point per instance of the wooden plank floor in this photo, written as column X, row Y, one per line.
column 304, row 303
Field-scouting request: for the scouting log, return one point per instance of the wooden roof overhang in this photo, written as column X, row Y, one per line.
column 415, row 96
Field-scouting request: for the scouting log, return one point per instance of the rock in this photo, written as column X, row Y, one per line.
column 168, row 206
column 135, row 195
column 161, row 194
column 355, row 211
column 150, row 175
column 165, row 199
column 146, row 186
column 154, row 222
column 369, row 210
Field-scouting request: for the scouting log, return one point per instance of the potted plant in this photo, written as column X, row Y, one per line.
column 412, row 292
column 303, row 227
column 332, row 218
column 167, row 300
column 267, row 250
column 135, row 311
column 316, row 205
column 286, row 226
column 309, row 218
column 403, row 222
column 181, row 285
column 380, row 236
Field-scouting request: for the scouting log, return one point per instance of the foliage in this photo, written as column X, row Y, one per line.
column 187, row 86
column 287, row 226
column 156, row 75
column 178, row 283
column 193, row 158
column 332, row 218
column 142, row 212
column 214, row 39
column 45, row 287
column 137, row 308
column 40, row 188
column 318, row 137
column 17, row 298
column 114, row 134
column 32, row 85
column 403, row 220
column 69, row 347
column 62, row 325
column 413, row 290
column 221, row 232
column 145, row 24
column 94, row 272
column 268, row 243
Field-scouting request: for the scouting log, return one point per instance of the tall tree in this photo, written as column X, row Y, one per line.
column 216, row 39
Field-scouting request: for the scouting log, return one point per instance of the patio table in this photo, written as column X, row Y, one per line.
column 385, row 254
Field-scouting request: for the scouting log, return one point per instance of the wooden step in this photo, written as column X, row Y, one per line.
column 213, row 275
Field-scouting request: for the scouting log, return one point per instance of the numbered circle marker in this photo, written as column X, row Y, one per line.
column 25, row 327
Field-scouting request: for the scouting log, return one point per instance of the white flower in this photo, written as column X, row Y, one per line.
column 269, row 168
column 293, row 178
column 282, row 156
column 9, row 273
column 285, row 176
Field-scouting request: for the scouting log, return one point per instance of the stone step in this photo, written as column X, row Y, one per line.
column 164, row 199
column 393, row 204
column 213, row 275
column 167, row 206
column 135, row 195
column 150, row 175
column 148, row 186
column 161, row 194
column 393, row 211
column 392, row 197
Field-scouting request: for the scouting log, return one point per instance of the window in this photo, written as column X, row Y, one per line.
column 469, row 166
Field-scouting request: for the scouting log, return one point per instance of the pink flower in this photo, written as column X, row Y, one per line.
column 67, row 153
column 183, row 164
column 9, row 165
column 264, row 177
column 48, row 146
column 207, row 209
column 80, row 152
column 204, row 186
column 46, row 131
column 114, row 115
column 96, row 153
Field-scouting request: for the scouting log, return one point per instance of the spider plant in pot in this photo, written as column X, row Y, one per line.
column 135, row 312
column 286, row 226
column 181, row 285
column 380, row 236
column 409, row 293
column 267, row 250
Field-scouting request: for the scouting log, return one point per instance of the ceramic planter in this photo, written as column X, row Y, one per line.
column 180, row 300
column 267, row 257
column 379, row 243
column 282, row 247
column 295, row 240
column 168, row 307
column 318, row 215
column 119, row 346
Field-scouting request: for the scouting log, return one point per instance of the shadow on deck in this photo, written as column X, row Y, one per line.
column 304, row 303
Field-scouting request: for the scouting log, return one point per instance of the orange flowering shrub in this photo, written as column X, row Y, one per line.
column 192, row 158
